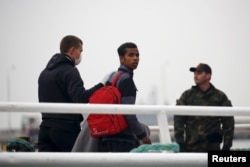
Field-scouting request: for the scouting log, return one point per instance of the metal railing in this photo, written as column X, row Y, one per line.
column 115, row 159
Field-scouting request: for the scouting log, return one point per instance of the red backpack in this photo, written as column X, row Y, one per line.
column 102, row 125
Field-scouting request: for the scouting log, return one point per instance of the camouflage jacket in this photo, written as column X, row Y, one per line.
column 190, row 130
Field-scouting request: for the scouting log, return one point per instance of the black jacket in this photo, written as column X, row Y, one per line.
column 60, row 82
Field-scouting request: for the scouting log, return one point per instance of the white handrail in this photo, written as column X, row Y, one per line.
column 103, row 159
column 124, row 109
column 115, row 159
column 160, row 110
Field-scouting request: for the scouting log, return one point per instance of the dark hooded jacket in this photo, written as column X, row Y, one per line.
column 60, row 82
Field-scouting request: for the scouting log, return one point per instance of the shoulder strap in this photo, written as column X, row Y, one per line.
column 116, row 78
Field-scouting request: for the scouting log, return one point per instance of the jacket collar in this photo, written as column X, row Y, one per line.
column 125, row 69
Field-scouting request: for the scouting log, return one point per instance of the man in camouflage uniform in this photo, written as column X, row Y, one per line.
column 203, row 133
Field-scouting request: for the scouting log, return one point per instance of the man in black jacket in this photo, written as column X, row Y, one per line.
column 60, row 82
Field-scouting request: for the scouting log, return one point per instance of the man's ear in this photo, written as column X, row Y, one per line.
column 71, row 52
column 209, row 76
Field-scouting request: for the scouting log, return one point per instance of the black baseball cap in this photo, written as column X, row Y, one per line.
column 201, row 68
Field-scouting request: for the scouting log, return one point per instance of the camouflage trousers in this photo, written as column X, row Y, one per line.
column 203, row 147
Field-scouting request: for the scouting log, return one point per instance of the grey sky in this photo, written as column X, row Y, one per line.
column 172, row 35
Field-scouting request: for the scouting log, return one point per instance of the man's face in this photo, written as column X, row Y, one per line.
column 131, row 58
column 201, row 77
column 77, row 51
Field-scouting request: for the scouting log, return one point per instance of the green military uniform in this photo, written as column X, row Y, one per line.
column 203, row 133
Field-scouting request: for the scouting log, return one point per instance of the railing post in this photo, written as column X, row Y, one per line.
column 163, row 128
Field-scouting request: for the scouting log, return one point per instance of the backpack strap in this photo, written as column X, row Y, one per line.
column 116, row 78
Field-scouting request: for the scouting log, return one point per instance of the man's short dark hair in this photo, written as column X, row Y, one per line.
column 69, row 41
column 122, row 49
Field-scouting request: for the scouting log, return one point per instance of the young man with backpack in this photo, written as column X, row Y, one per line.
column 130, row 138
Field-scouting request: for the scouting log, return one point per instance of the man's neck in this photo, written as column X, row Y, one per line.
column 68, row 57
column 204, row 87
